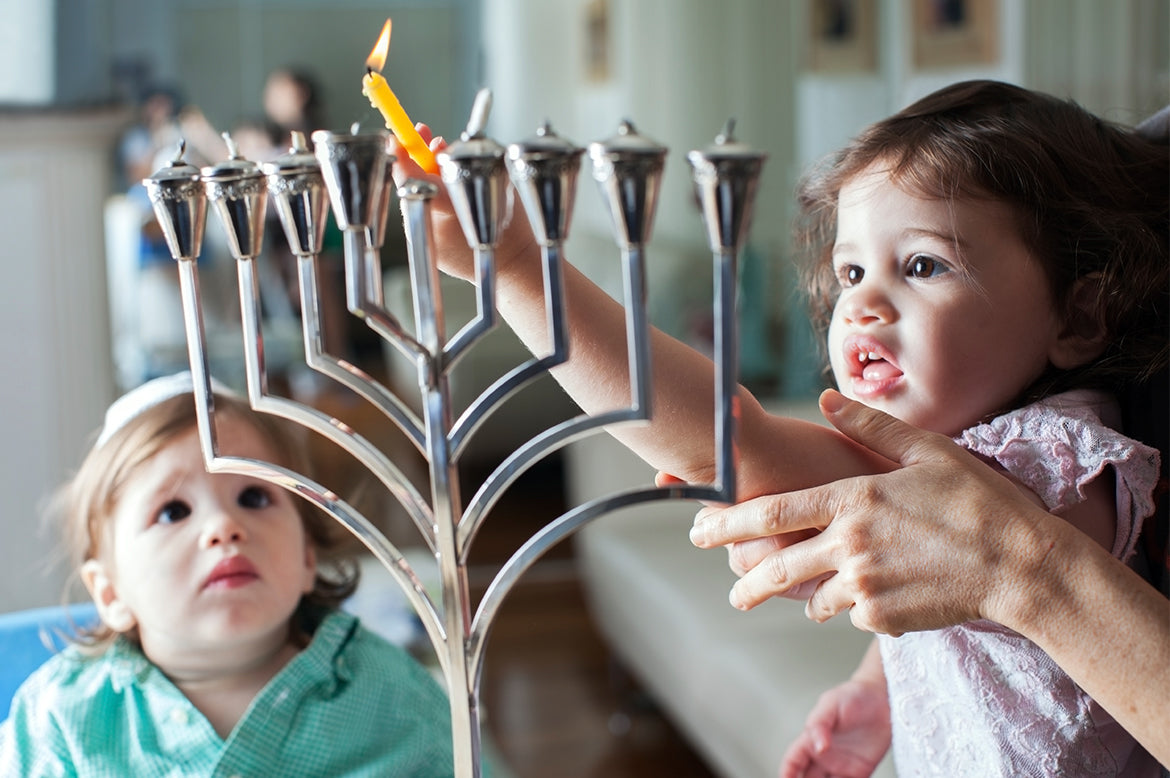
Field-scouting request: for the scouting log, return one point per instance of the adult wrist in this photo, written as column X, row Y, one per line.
column 1033, row 574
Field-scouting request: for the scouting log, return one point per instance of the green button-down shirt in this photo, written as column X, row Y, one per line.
column 350, row 704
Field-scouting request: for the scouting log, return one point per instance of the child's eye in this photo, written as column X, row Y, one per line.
column 922, row 266
column 254, row 497
column 173, row 511
column 850, row 275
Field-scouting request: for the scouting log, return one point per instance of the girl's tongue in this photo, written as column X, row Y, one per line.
column 879, row 370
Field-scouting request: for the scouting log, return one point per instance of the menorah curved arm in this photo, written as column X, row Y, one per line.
column 485, row 313
column 332, row 429
column 521, row 459
column 551, row 534
column 491, row 398
column 367, row 305
column 344, row 372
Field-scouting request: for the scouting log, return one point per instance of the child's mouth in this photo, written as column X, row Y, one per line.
column 874, row 368
column 230, row 573
column 871, row 366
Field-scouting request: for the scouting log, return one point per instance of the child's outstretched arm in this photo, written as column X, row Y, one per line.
column 775, row 453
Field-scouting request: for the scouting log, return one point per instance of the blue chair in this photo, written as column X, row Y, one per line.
column 29, row 637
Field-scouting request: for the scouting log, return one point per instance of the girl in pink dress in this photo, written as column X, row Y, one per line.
column 991, row 264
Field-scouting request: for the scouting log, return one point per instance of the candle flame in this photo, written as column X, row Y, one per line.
column 377, row 59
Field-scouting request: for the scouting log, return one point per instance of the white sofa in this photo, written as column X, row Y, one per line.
column 738, row 685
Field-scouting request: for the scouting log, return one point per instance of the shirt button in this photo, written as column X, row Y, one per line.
column 178, row 716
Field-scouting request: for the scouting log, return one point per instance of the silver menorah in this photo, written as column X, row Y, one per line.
column 352, row 173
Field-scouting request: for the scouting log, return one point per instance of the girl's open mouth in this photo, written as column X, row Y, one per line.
column 871, row 366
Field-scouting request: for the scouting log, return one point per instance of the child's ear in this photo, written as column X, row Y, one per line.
column 310, row 568
column 1084, row 336
column 113, row 612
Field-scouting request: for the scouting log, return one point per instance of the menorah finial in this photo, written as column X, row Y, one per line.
column 479, row 114
column 232, row 147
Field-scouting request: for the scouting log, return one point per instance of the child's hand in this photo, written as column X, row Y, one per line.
column 846, row 734
column 450, row 247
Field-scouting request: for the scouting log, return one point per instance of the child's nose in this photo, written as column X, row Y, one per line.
column 222, row 528
column 868, row 306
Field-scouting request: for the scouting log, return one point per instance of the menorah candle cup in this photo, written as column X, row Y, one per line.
column 380, row 208
column 180, row 206
column 544, row 171
column 354, row 168
column 628, row 168
column 238, row 193
column 472, row 169
column 297, row 189
column 726, row 175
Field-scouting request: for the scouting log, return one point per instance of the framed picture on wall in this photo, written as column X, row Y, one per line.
column 949, row 33
column 597, row 41
column 842, row 36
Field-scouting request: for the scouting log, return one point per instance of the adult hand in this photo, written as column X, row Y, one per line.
column 946, row 539
column 922, row 547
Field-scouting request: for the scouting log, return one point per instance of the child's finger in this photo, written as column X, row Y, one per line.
column 404, row 166
column 662, row 479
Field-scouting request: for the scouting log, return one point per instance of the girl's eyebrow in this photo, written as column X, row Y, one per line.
column 950, row 238
column 947, row 236
column 841, row 247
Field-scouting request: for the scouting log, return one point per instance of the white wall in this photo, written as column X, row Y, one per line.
column 54, row 330
column 26, row 52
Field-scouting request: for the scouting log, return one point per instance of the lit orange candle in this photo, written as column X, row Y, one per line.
column 383, row 98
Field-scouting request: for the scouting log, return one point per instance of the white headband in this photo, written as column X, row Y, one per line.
column 138, row 400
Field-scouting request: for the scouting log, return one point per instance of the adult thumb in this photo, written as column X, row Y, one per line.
column 879, row 432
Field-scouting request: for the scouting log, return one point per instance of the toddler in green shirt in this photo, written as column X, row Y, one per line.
column 221, row 649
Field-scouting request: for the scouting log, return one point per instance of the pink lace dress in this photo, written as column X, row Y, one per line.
column 980, row 700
